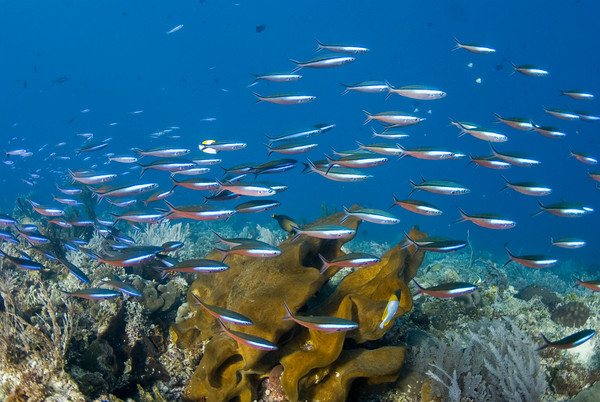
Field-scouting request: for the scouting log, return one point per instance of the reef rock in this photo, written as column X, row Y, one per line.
column 316, row 365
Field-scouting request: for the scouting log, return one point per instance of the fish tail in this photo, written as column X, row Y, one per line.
column 402, row 150
column 305, row 168
column 259, row 97
column 325, row 265
column 463, row 216
column 407, row 241
column 395, row 201
column 219, row 237
column 499, row 119
column 542, row 208
column 223, row 253
column 369, row 117
column 458, row 44
column 414, row 187
column 545, row 345
column 296, row 231
column 319, row 45
column 346, row 215
column 390, row 92
column 287, row 311
column 419, row 287
column 346, row 88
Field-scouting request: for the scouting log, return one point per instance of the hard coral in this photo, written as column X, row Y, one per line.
column 316, row 365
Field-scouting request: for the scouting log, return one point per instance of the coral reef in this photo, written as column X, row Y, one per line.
column 493, row 360
column 316, row 365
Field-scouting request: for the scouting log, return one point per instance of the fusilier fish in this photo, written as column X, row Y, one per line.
column 223, row 314
column 370, row 215
column 285, row 98
column 366, row 87
column 418, row 207
column 489, row 221
column 324, row 231
column 248, row 339
column 578, row 94
column 348, row 260
column 323, row 61
column 420, row 92
column 445, row 187
column 349, row 49
column 474, row 47
column 214, row 146
column 527, row 188
column 565, row 209
column 450, row 289
column 531, row 260
column 570, row 341
column 520, row 123
column 275, row 77
column 321, row 323
column 398, row 119
column 568, row 242
column 531, row 70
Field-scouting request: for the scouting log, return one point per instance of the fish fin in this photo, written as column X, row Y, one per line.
column 259, row 97
column 223, row 253
column 325, row 265
column 414, row 187
column 499, row 119
column 419, row 287
column 389, row 85
column 288, row 312
column 545, row 345
column 298, row 65
column 463, row 216
column 457, row 46
column 346, row 90
column 542, row 209
column 346, row 215
column 369, row 117
column 319, row 45
column 295, row 231
column 395, row 201
column 388, row 94
column 402, row 149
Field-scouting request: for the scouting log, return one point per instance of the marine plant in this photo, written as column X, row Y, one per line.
column 309, row 364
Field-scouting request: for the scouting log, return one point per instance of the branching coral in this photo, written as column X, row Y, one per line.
column 316, row 365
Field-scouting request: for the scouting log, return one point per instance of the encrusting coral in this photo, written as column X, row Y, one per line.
column 316, row 365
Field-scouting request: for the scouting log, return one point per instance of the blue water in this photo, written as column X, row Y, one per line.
column 118, row 59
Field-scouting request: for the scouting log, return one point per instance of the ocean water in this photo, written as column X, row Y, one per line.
column 116, row 58
column 112, row 68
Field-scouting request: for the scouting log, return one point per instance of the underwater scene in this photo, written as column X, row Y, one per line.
column 231, row 200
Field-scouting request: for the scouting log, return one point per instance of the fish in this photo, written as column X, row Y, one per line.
column 140, row 216
column 196, row 183
column 445, row 187
column 426, row 153
column 323, row 61
column 92, row 178
column 168, row 165
column 583, row 115
column 78, row 273
column 489, row 221
column 7, row 220
column 214, row 146
column 323, row 232
column 515, row 158
column 565, row 209
column 321, row 323
column 123, row 158
column 117, row 283
column 570, row 341
column 434, row 244
column 124, row 191
column 298, row 134
column 563, row 114
column 531, row 260
column 592, row 285
column 162, row 152
column 530, row 70
column 198, row 170
column 474, row 47
column 255, row 248
column 172, row 246
column 67, row 201
column 568, row 242
column 285, row 222
column 247, row 188
column 256, row 206
column 275, row 77
column 549, row 131
column 420, row 92
column 370, row 87
column 418, row 207
column 122, row 203
column 397, row 119
column 129, row 256
column 370, row 215
column 274, row 166
column 380, row 148
column 93, row 293
column 520, row 123
column 527, row 188
column 23, row 263
column 175, row 29
column 348, row 49
column 285, row 98
column 357, row 160
column 584, row 158
column 391, row 308
column 45, row 209
column 291, row 148
column 348, row 260
column 391, row 134
column 490, row 162
column 482, row 133
column 159, row 195
column 202, row 212
column 445, row 290
column 223, row 314
column 247, row 339
column 197, row 266
column 578, row 94
column 595, row 175
column 337, row 173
